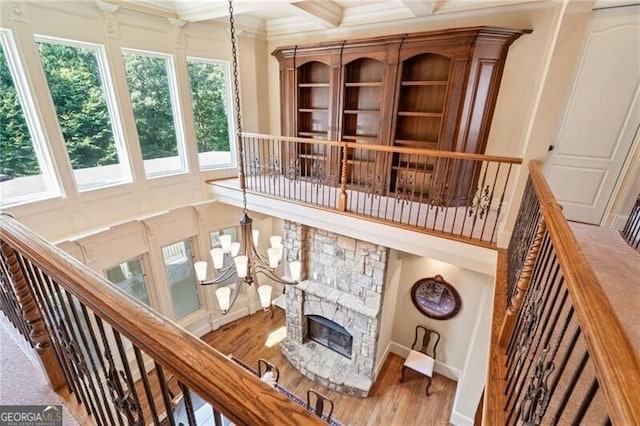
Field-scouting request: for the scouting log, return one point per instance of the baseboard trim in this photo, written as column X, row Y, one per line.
column 460, row 419
column 382, row 359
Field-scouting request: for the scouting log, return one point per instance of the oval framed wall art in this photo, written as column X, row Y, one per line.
column 436, row 298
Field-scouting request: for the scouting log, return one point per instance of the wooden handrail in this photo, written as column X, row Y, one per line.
column 615, row 361
column 392, row 149
column 203, row 369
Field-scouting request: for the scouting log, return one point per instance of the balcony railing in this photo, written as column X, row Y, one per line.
column 457, row 195
column 563, row 356
column 113, row 353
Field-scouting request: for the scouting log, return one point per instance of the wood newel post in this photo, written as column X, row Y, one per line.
column 342, row 198
column 522, row 285
column 33, row 317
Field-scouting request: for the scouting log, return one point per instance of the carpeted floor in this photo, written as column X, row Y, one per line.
column 617, row 267
column 21, row 381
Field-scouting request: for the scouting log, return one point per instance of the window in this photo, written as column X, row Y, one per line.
column 181, row 276
column 209, row 81
column 81, row 91
column 130, row 278
column 152, row 88
column 26, row 171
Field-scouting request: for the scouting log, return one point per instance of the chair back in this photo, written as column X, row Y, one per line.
column 426, row 341
column 318, row 407
column 265, row 366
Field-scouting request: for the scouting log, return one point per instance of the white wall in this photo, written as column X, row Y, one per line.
column 464, row 344
column 389, row 302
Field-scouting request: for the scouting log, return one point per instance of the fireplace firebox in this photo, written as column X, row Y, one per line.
column 330, row 334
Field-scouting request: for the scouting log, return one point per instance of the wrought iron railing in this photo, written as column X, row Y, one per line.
column 631, row 231
column 114, row 354
column 563, row 356
column 457, row 194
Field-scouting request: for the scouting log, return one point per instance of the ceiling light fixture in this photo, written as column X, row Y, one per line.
column 247, row 262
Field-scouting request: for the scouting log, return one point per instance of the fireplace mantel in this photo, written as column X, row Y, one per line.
column 340, row 298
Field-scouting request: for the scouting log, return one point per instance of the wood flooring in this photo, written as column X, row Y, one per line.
column 389, row 403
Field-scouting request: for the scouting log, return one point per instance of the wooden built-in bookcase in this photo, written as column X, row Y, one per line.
column 432, row 90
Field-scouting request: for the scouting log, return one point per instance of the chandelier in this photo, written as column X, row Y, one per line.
column 247, row 261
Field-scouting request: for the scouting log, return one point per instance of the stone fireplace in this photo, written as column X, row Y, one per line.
column 341, row 297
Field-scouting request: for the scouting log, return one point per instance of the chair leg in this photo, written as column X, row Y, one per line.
column 428, row 384
column 402, row 374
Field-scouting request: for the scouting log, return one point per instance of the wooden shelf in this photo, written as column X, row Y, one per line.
column 419, row 114
column 416, row 143
column 413, row 167
column 313, row 156
column 358, row 162
column 313, row 109
column 425, row 83
column 362, row 111
column 302, row 85
column 370, row 138
column 312, row 134
column 364, row 84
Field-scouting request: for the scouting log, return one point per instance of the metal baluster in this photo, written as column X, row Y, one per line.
column 188, row 403
column 94, row 341
column 39, row 291
column 504, row 190
column 129, row 377
column 60, row 330
column 87, row 354
column 145, row 382
column 166, row 396
column 548, row 303
column 488, row 211
column 71, row 344
column 570, row 387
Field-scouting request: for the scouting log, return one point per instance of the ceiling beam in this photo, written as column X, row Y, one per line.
column 423, row 7
column 325, row 13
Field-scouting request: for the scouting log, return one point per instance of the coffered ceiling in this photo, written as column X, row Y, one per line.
column 281, row 17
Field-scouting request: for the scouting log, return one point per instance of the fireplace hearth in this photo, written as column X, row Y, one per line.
column 330, row 334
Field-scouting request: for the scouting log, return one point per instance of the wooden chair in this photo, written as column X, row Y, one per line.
column 318, row 407
column 268, row 372
column 420, row 358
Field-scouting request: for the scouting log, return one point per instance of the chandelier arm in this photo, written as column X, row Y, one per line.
column 269, row 273
column 224, row 274
column 234, row 293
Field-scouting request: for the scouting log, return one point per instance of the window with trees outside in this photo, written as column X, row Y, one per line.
column 153, row 92
column 26, row 172
column 84, row 100
column 209, row 82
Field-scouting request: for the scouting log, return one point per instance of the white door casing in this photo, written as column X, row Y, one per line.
column 601, row 118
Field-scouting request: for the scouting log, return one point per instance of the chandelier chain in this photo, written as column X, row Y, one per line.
column 236, row 87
